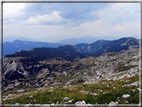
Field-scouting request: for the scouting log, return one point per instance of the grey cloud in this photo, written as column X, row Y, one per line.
column 76, row 13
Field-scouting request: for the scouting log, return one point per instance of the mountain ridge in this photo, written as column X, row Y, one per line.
column 86, row 39
column 13, row 38
column 100, row 46
column 121, row 44
column 11, row 47
column 66, row 52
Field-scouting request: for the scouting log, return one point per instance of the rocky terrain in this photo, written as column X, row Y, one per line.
column 58, row 71
column 102, row 93
column 50, row 68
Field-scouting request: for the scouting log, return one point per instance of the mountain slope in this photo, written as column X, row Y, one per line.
column 11, row 47
column 122, row 91
column 90, row 48
column 122, row 44
column 35, row 55
column 56, row 71
column 102, row 46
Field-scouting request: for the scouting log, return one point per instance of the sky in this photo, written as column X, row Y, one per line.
column 52, row 22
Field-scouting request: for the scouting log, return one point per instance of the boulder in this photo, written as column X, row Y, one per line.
column 126, row 96
column 66, row 98
column 31, row 96
column 81, row 104
column 112, row 104
column 50, row 90
column 71, row 101
column 20, row 91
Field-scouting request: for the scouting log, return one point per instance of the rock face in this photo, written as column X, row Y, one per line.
column 28, row 70
column 38, row 67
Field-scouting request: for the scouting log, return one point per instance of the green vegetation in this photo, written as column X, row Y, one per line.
column 100, row 92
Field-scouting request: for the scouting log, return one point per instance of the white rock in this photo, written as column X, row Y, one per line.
column 52, row 104
column 95, row 94
column 46, row 105
column 127, row 102
column 139, row 89
column 115, row 78
column 90, row 105
column 50, row 90
column 27, row 105
column 126, row 96
column 107, row 86
column 57, row 102
column 80, row 104
column 66, row 98
column 10, row 95
column 37, row 105
column 20, row 91
column 109, row 79
column 116, row 102
column 70, row 101
column 16, row 103
column 111, row 104
column 31, row 96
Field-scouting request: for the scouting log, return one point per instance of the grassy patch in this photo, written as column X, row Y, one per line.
column 106, row 91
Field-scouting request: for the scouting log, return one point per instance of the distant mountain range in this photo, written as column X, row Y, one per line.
column 95, row 49
column 91, row 48
column 11, row 47
column 13, row 38
column 122, row 44
column 86, row 39
column 102, row 46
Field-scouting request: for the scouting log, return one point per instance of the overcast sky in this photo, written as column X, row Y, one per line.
column 51, row 22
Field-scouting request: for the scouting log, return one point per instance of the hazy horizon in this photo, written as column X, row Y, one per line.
column 88, row 38
column 52, row 22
